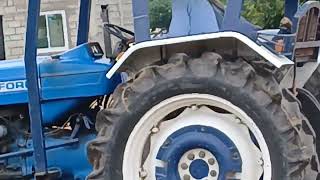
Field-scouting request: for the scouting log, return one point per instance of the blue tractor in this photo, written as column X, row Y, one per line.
column 213, row 97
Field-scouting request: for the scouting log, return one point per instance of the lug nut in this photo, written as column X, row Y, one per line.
column 191, row 156
column 235, row 156
column 213, row 173
column 186, row 177
column 202, row 154
column 184, row 166
column 261, row 162
column 155, row 130
column 211, row 161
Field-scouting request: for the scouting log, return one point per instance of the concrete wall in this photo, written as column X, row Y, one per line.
column 14, row 20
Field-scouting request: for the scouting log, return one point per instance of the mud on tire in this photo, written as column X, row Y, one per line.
column 288, row 134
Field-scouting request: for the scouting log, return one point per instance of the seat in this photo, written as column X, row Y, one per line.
column 190, row 17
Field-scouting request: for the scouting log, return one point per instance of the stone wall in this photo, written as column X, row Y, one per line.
column 120, row 13
column 14, row 20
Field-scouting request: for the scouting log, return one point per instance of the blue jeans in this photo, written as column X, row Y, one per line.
column 191, row 17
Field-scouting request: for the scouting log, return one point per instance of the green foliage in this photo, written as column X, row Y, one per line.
column 160, row 13
column 264, row 13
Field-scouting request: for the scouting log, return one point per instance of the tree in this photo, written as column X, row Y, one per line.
column 264, row 13
column 160, row 13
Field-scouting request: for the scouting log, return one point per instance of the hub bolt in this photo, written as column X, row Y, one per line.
column 186, row 177
column 260, row 161
column 211, row 161
column 239, row 121
column 184, row 166
column 191, row 156
column 194, row 107
column 213, row 173
column 202, row 154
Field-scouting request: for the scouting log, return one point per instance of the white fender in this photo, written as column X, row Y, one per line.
column 276, row 59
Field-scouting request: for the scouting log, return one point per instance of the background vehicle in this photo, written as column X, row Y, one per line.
column 218, row 101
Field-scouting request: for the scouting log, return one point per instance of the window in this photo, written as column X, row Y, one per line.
column 52, row 32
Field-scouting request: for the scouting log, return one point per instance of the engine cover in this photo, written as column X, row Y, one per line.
column 66, row 80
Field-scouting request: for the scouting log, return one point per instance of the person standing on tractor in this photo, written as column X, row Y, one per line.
column 188, row 18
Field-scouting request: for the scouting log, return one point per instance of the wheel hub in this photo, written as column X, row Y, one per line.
column 198, row 164
column 200, row 143
column 199, row 169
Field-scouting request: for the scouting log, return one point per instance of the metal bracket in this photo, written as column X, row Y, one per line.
column 29, row 152
column 303, row 75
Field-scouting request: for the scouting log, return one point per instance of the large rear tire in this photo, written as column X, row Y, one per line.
column 187, row 93
column 313, row 84
column 310, row 109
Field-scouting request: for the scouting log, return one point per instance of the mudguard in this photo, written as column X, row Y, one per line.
column 276, row 59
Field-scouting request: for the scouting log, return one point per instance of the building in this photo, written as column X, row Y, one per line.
column 57, row 24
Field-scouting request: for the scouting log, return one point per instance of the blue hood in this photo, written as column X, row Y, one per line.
column 11, row 70
column 66, row 81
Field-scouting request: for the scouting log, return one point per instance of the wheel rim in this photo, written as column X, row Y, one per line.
column 213, row 121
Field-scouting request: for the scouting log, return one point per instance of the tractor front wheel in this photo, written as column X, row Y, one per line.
column 203, row 118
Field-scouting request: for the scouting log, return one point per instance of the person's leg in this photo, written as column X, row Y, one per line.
column 180, row 22
column 202, row 17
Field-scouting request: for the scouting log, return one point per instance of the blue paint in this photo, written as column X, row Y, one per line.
column 64, row 154
column 140, row 10
column 32, row 77
column 61, row 85
column 291, row 7
column 193, row 137
column 84, row 22
column 66, row 83
column 199, row 169
column 55, row 87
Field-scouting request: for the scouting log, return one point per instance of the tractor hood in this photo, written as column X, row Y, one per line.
column 66, row 80
column 11, row 70
column 77, row 73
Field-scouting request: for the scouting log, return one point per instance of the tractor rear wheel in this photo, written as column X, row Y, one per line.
column 203, row 118
column 313, row 84
column 310, row 108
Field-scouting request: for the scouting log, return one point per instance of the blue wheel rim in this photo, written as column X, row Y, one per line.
column 193, row 137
